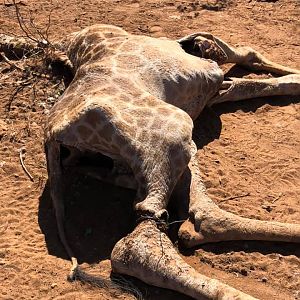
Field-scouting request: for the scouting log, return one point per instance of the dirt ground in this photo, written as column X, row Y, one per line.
column 249, row 154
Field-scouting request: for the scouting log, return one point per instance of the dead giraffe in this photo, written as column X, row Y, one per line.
column 134, row 98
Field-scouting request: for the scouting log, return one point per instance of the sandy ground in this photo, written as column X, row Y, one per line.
column 249, row 154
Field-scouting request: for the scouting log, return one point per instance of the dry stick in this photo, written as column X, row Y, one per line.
column 22, row 24
column 49, row 22
column 4, row 228
column 12, row 97
column 22, row 85
column 277, row 198
column 235, row 197
column 10, row 62
column 30, row 34
column 23, row 165
column 35, row 27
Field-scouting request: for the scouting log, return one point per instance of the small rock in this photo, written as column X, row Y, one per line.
column 175, row 17
column 42, row 105
column 155, row 29
column 268, row 208
column 181, row 8
column 264, row 279
column 53, row 285
column 244, row 272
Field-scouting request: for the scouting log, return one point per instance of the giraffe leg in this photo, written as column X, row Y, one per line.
column 208, row 223
column 148, row 254
column 243, row 56
column 56, row 191
column 241, row 89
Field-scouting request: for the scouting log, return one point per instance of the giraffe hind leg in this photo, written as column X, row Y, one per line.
column 243, row 56
column 209, row 223
column 241, row 89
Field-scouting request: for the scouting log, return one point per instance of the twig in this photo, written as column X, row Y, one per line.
column 277, row 198
column 4, row 228
column 22, row 85
column 23, row 165
column 37, row 29
column 10, row 62
column 49, row 22
column 22, row 23
column 174, row 222
column 31, row 29
column 235, row 197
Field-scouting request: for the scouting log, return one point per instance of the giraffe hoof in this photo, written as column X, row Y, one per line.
column 188, row 236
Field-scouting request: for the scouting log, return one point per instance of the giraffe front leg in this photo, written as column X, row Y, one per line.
column 148, row 254
column 243, row 56
column 208, row 223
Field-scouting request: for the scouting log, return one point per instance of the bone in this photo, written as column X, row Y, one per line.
column 148, row 254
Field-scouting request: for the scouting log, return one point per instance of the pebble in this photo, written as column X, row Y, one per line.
column 268, row 208
column 155, row 29
column 175, row 17
column 264, row 279
column 53, row 285
column 244, row 272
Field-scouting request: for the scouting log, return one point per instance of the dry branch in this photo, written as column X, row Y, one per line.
column 21, row 153
column 2, row 54
column 235, row 197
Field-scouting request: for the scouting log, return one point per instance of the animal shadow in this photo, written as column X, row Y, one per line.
column 97, row 216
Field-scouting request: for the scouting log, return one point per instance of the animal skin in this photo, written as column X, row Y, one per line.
column 133, row 99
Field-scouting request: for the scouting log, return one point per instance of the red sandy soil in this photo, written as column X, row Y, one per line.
column 249, row 154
